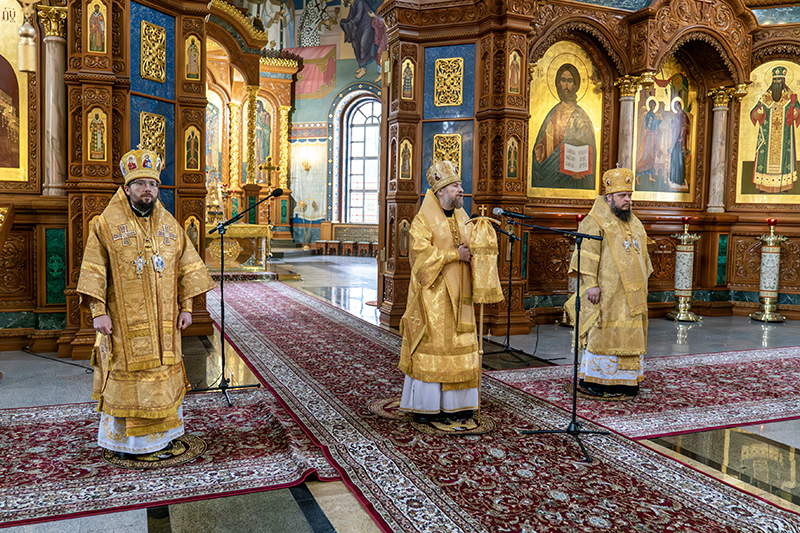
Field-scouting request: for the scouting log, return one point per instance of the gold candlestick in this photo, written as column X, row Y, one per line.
column 684, row 268
column 770, row 275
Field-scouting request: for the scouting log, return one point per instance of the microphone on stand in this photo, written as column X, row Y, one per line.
column 502, row 212
column 276, row 192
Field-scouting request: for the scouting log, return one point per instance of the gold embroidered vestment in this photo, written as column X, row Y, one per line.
column 620, row 266
column 438, row 327
column 140, row 376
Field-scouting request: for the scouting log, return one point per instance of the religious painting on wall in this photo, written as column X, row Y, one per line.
column 665, row 121
column 566, row 117
column 512, row 158
column 264, row 114
column 770, row 117
column 514, row 70
column 407, row 75
column 362, row 27
column 14, row 104
column 406, row 159
column 214, row 125
column 192, row 143
column 96, row 129
column 96, row 36
column 192, row 58
column 192, row 227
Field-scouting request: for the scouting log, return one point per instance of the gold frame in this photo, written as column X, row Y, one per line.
column 153, row 48
column 104, row 119
column 448, row 90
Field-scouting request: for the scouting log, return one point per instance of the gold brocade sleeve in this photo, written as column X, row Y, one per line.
column 93, row 281
column 590, row 251
column 193, row 277
column 427, row 259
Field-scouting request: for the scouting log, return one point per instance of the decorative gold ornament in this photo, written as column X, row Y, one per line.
column 28, row 53
column 449, row 82
column 740, row 91
column 233, row 142
column 232, row 250
column 721, row 96
column 153, row 46
column 447, row 147
column 237, row 15
column 252, row 93
column 278, row 62
column 54, row 20
column 628, row 85
column 647, row 79
column 3, row 213
column 283, row 173
column 152, row 132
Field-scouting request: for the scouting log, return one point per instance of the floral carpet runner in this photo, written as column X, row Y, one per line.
column 327, row 366
column 683, row 393
column 53, row 468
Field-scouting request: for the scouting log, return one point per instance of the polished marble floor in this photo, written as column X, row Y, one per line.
column 761, row 458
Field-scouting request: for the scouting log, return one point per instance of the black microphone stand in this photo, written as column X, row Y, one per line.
column 507, row 342
column 574, row 427
column 221, row 228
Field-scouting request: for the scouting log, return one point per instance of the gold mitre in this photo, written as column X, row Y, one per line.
column 617, row 180
column 141, row 163
column 441, row 174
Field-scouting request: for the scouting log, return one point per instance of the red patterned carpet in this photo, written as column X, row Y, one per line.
column 327, row 366
column 52, row 467
column 683, row 393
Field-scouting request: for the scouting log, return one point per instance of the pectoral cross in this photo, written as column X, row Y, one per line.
column 139, row 264
column 166, row 234
column 482, row 209
column 124, row 234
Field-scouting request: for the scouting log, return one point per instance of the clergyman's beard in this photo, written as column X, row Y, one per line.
column 142, row 207
column 622, row 214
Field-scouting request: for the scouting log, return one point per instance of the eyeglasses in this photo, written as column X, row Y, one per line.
column 139, row 184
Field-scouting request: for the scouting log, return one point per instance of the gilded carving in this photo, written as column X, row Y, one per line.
column 152, row 132
column 252, row 93
column 283, row 172
column 449, row 82
column 153, row 46
column 233, row 140
column 54, row 20
column 447, row 147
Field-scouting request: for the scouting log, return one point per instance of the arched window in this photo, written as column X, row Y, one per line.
column 362, row 148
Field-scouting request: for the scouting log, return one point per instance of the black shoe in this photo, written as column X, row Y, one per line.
column 461, row 415
column 422, row 418
column 597, row 393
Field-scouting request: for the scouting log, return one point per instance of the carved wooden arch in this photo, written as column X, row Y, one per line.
column 716, row 41
column 248, row 64
column 777, row 52
column 215, row 84
column 567, row 29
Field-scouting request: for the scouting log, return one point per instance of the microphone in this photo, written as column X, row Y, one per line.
column 502, row 212
column 276, row 192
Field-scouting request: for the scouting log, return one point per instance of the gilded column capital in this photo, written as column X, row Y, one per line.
column 647, row 79
column 628, row 85
column 740, row 91
column 721, row 96
column 54, row 20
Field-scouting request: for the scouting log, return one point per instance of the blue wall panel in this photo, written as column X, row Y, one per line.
column 463, row 127
column 139, row 104
column 141, row 13
column 467, row 107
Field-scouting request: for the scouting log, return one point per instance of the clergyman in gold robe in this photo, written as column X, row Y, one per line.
column 439, row 353
column 138, row 277
column 614, row 274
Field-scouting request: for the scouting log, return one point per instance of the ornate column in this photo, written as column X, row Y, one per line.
column 627, row 85
column 283, row 170
column 55, row 100
column 684, row 270
column 252, row 92
column 233, row 175
column 770, row 275
column 719, row 143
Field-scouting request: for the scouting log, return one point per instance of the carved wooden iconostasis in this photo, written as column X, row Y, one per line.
column 678, row 91
column 247, row 139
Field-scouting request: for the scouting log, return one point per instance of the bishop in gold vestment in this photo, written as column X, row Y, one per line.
column 138, row 277
column 614, row 273
column 439, row 353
